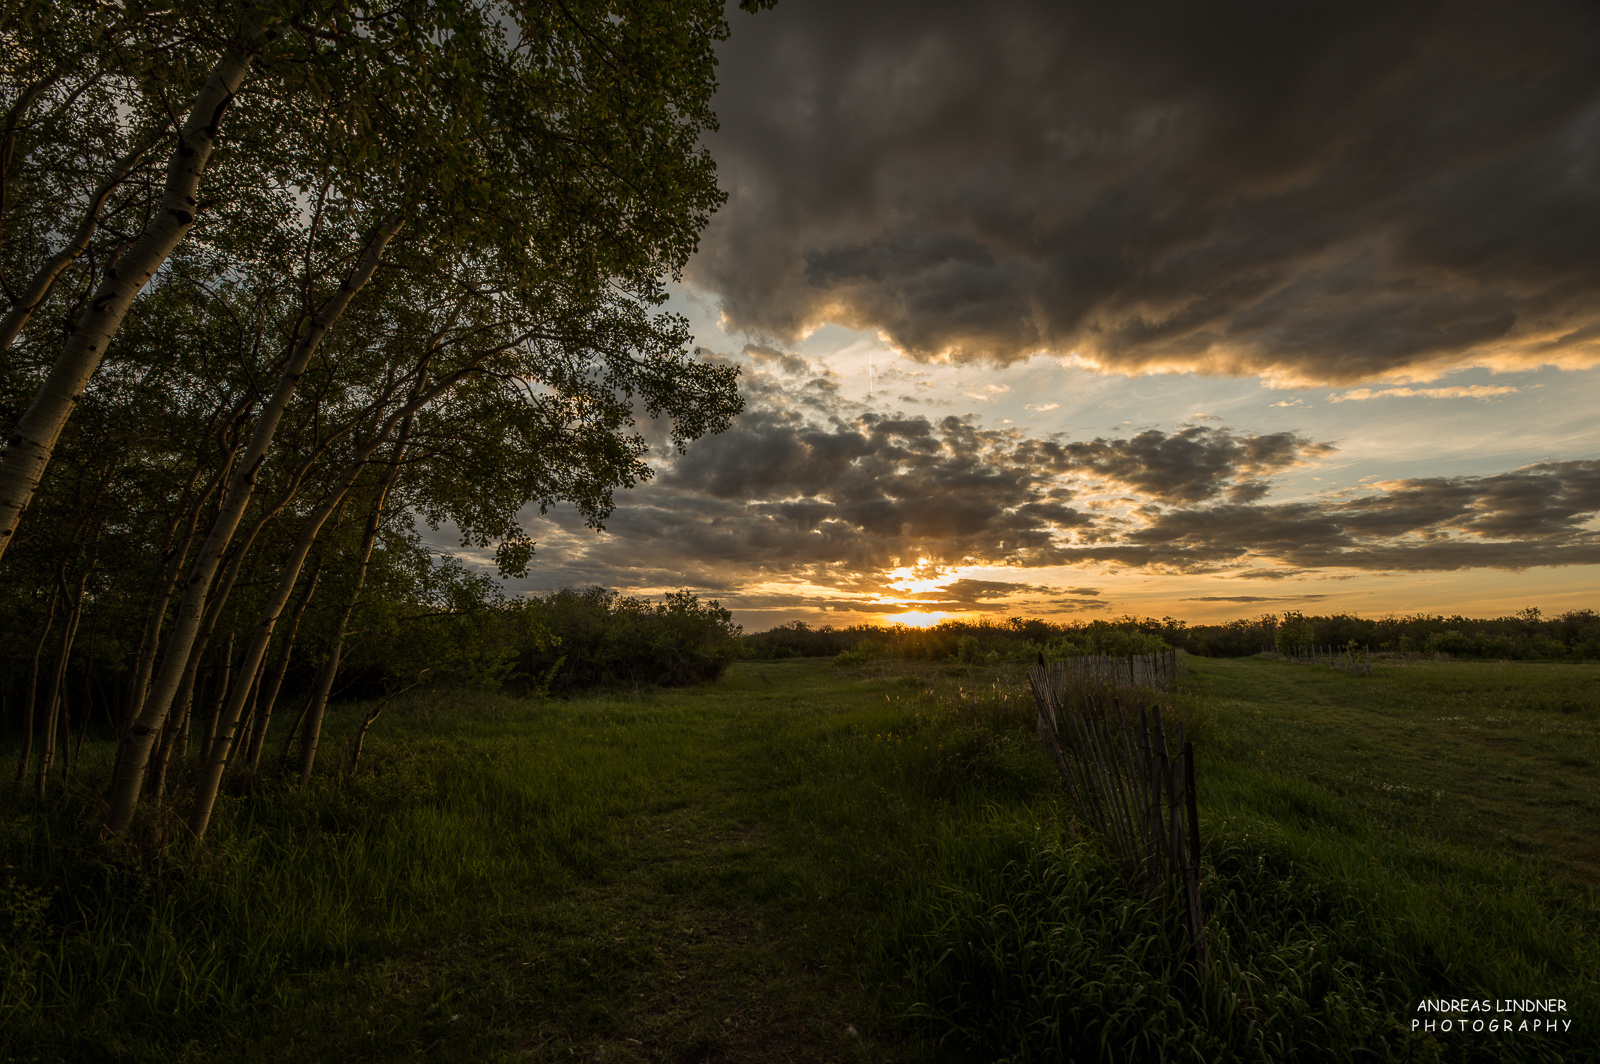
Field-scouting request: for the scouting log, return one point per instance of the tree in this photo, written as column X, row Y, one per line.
column 1294, row 630
column 550, row 139
column 454, row 217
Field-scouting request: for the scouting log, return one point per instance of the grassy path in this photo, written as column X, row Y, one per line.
column 663, row 924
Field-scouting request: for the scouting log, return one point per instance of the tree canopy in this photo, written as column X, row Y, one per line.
column 281, row 279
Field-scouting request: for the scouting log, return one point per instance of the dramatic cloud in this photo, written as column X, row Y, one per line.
column 1281, row 573
column 760, row 354
column 1333, row 192
column 974, row 591
column 811, row 501
column 968, row 595
column 1539, row 515
column 1195, row 464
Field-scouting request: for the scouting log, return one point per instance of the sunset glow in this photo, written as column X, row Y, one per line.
column 954, row 410
column 915, row 620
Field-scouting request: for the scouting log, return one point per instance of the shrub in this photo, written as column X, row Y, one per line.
column 599, row 637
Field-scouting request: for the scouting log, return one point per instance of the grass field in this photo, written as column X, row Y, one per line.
column 865, row 864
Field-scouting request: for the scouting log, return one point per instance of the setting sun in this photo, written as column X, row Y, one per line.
column 916, row 619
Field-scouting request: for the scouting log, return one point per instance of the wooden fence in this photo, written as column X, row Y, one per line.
column 1345, row 658
column 1130, row 784
column 1136, row 670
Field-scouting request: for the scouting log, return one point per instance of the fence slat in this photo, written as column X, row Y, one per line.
column 1133, row 786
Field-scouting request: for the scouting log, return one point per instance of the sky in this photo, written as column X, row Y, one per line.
column 1079, row 310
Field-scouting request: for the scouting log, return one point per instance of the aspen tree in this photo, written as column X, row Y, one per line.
column 33, row 439
column 133, row 755
column 33, row 296
column 269, row 692
column 544, row 157
column 26, row 757
column 61, row 78
column 48, row 719
column 219, row 745
column 216, row 755
column 312, row 734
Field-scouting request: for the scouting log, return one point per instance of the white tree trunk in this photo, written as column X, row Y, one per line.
column 134, row 754
column 369, row 536
column 33, row 440
column 269, row 692
column 217, row 754
column 39, row 287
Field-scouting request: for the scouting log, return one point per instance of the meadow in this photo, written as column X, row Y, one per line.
column 809, row 862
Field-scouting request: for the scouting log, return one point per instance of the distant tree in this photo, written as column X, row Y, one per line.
column 1294, row 630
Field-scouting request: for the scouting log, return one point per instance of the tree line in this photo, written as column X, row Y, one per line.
column 1527, row 635
column 1015, row 639
column 284, row 281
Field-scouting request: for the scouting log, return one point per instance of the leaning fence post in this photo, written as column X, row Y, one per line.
column 1197, row 920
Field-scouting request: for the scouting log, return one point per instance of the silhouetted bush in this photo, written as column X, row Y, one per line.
column 1524, row 636
column 800, row 640
column 599, row 637
column 564, row 641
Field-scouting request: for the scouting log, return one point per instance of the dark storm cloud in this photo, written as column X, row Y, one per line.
column 865, row 494
column 838, row 500
column 972, row 591
column 1194, row 464
column 1326, row 192
column 879, row 491
column 969, row 595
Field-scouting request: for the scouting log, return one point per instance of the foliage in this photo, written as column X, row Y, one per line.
column 1292, row 632
column 1050, row 958
column 971, row 642
column 454, row 628
column 1525, row 636
column 598, row 637
column 422, row 279
column 797, row 639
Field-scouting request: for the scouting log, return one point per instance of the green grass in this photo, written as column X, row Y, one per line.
column 809, row 863
column 1496, row 756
